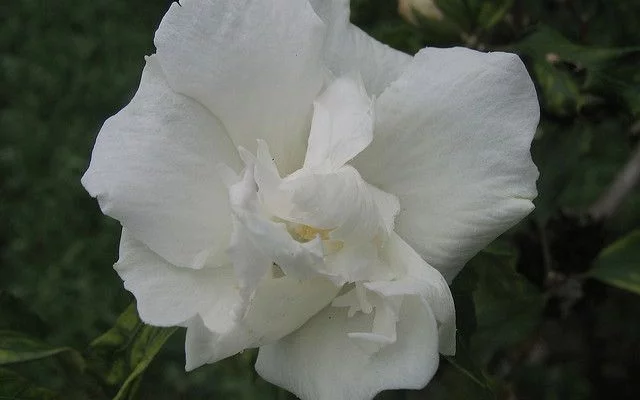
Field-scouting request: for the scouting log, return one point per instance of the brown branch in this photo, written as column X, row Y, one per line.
column 609, row 202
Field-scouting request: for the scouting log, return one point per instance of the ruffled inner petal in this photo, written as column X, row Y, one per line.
column 320, row 361
column 420, row 279
column 257, row 242
column 342, row 125
column 414, row 278
column 341, row 201
column 325, row 205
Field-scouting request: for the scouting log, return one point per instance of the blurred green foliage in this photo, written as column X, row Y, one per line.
column 543, row 313
column 122, row 354
column 617, row 265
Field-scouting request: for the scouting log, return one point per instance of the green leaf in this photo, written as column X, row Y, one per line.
column 459, row 378
column 16, row 387
column 17, row 347
column 16, row 316
column 492, row 12
column 561, row 92
column 558, row 152
column 619, row 264
column 459, row 12
column 469, row 379
column 506, row 308
column 121, row 355
column 495, row 308
column 630, row 90
column 572, row 77
column 545, row 41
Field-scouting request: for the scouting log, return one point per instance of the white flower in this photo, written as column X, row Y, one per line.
column 286, row 182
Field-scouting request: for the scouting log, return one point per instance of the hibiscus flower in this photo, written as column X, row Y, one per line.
column 286, row 182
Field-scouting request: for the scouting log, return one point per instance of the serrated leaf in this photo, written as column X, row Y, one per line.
column 14, row 386
column 17, row 347
column 122, row 354
column 619, row 263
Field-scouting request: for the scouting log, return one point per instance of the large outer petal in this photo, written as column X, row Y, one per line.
column 153, row 168
column 452, row 141
column 320, row 362
column 255, row 64
column 208, row 302
column 348, row 49
column 167, row 295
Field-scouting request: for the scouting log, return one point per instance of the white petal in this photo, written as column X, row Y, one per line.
column 257, row 242
column 386, row 313
column 255, row 64
column 282, row 305
column 355, row 299
column 421, row 279
column 205, row 347
column 279, row 307
column 358, row 261
column 342, row 125
column 167, row 295
column 250, row 263
column 343, row 201
column 208, row 302
column 383, row 330
column 348, row 49
column 153, row 168
column 452, row 141
column 320, row 362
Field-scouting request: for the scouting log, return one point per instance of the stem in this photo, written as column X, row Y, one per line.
column 547, row 259
column 609, row 202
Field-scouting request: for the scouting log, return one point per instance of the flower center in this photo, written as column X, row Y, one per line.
column 305, row 233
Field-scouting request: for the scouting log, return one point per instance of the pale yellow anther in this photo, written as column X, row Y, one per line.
column 332, row 246
column 307, row 233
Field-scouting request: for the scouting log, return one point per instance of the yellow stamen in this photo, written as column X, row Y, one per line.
column 307, row 233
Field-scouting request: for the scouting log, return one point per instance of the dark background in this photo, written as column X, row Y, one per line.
column 543, row 313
